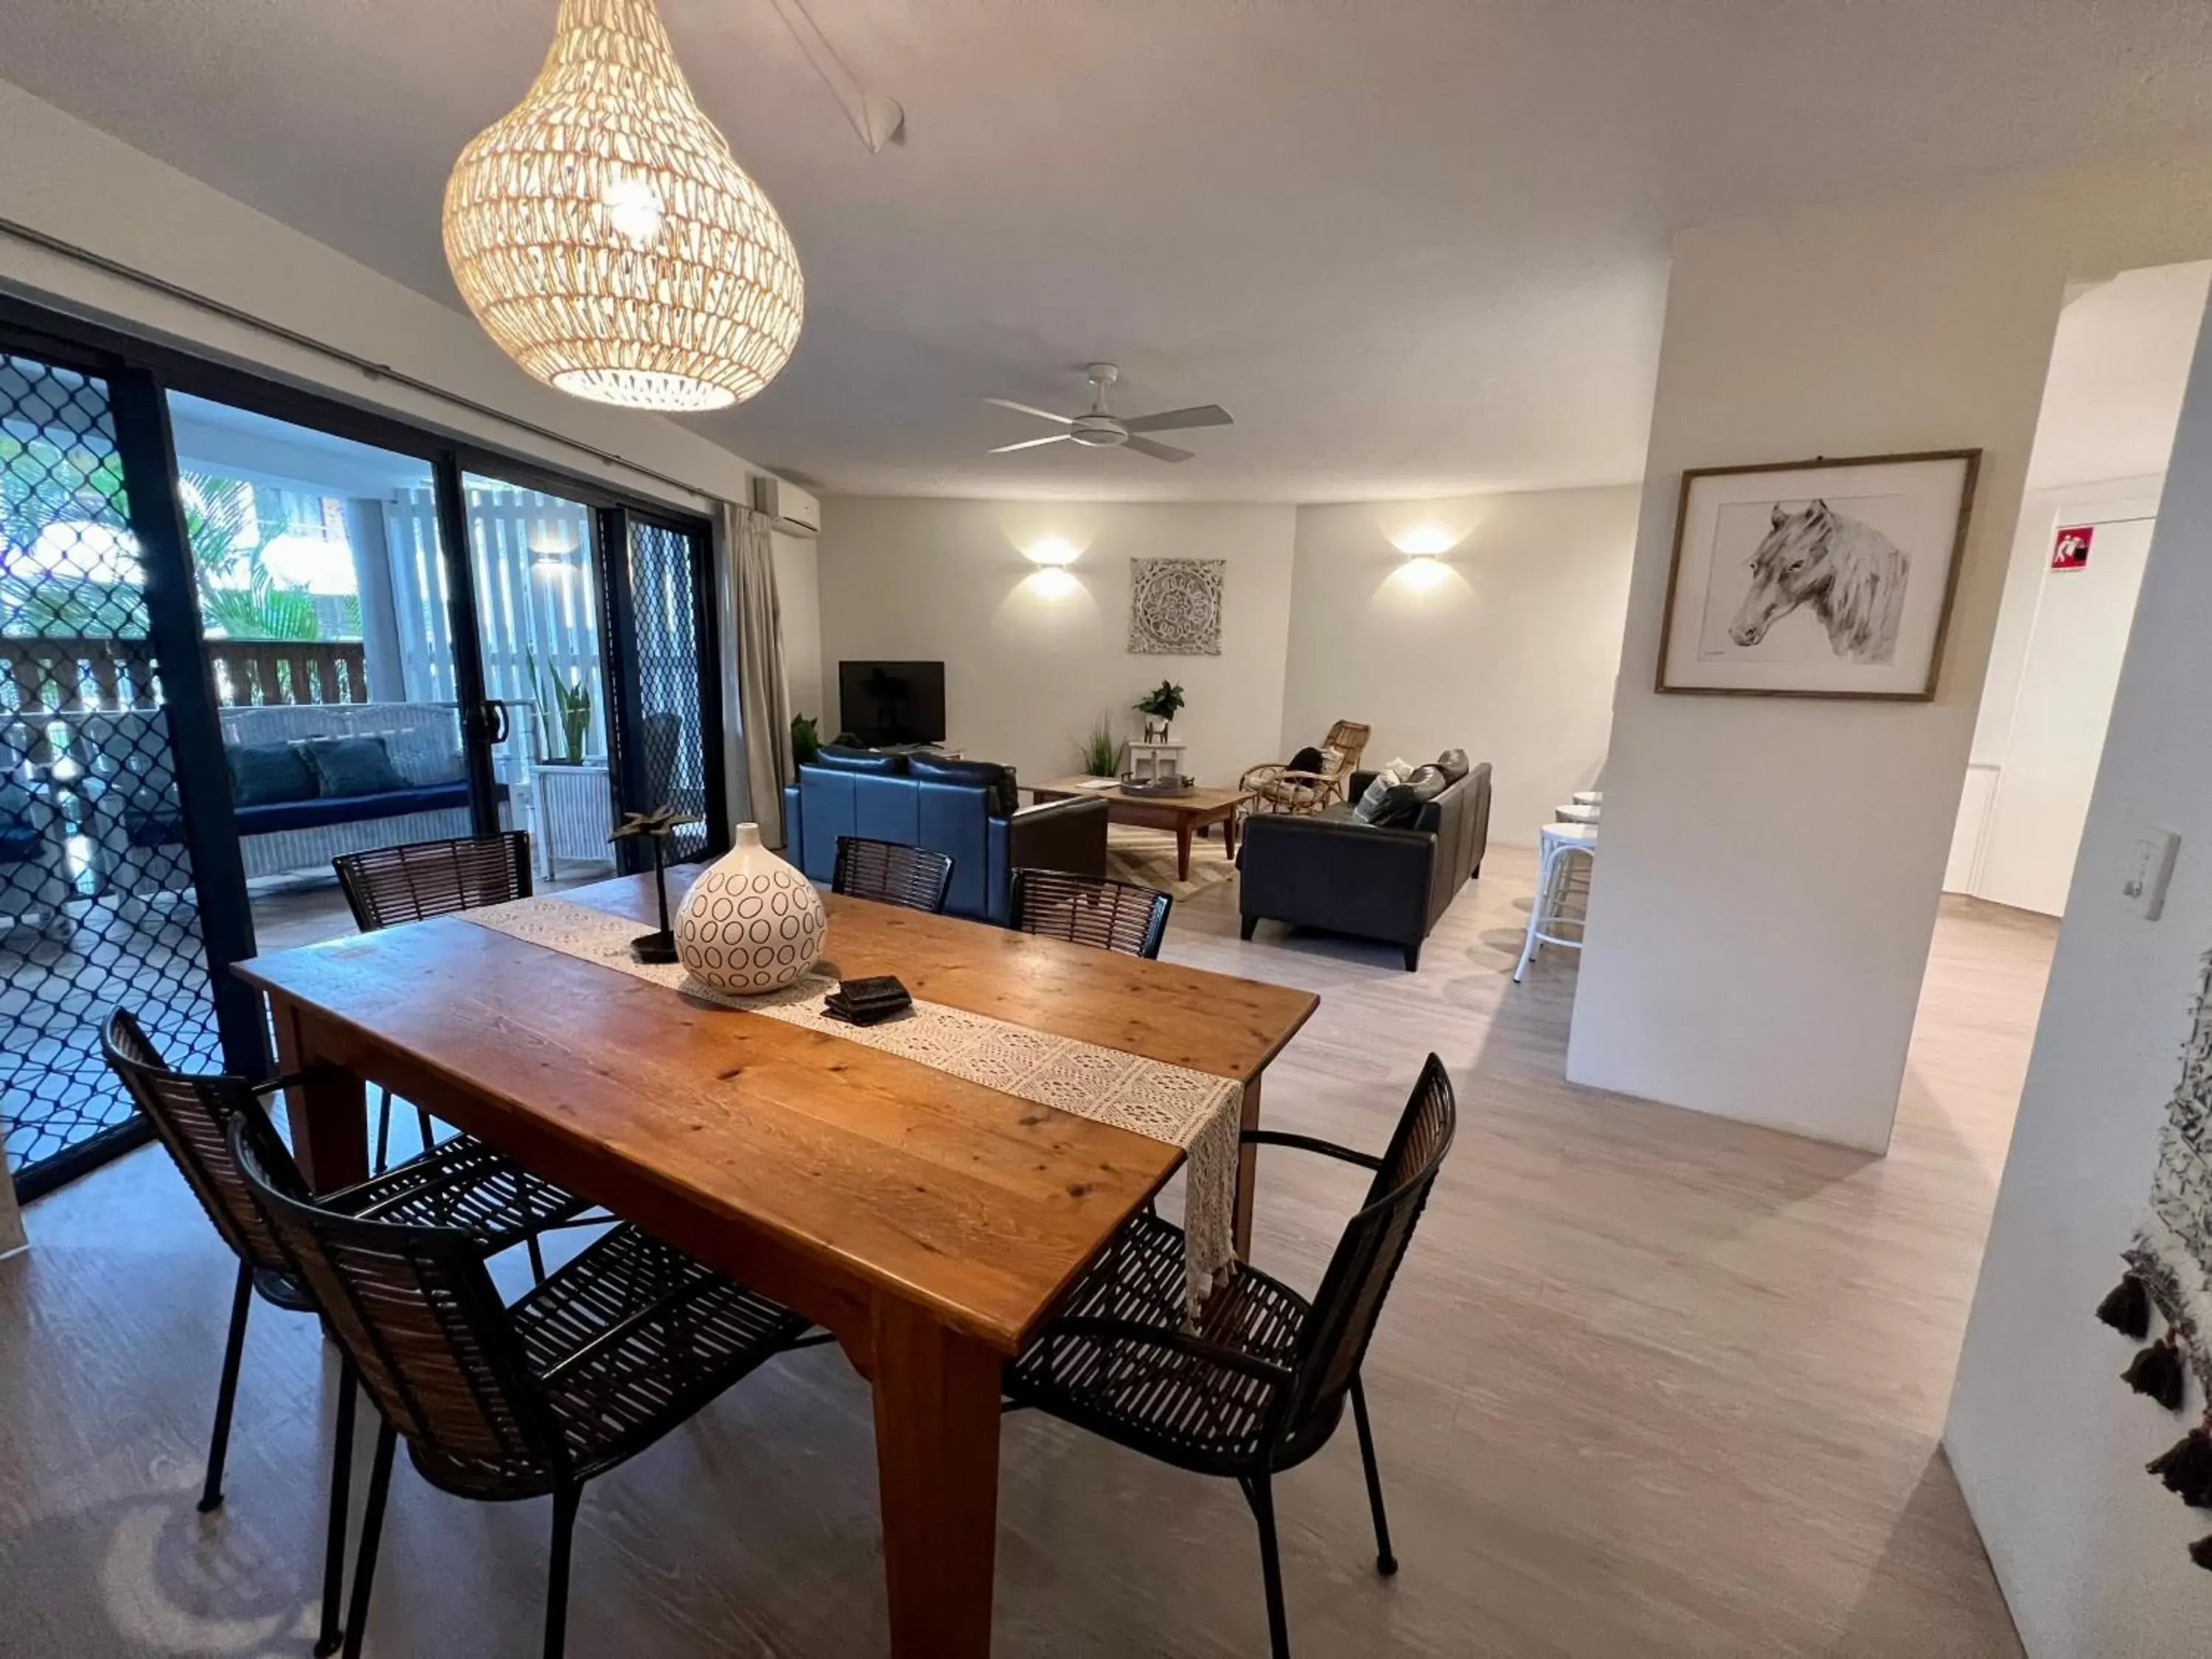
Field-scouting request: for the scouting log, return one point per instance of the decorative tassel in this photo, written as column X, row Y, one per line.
column 2187, row 1468
column 2201, row 1552
column 2158, row 1372
column 2127, row 1308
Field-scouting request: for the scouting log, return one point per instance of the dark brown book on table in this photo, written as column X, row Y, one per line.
column 864, row 1001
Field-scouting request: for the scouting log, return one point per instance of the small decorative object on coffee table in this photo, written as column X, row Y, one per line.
column 752, row 923
column 1161, row 788
column 655, row 827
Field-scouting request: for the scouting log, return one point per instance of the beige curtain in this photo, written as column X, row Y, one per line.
column 763, row 705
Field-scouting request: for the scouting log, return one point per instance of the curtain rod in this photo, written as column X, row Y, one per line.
column 367, row 367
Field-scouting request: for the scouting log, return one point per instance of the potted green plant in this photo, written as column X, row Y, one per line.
column 1101, row 750
column 805, row 738
column 1159, row 707
column 570, row 706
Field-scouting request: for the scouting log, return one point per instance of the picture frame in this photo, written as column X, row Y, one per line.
column 1822, row 578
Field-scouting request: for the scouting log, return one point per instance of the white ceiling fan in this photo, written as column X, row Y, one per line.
column 1101, row 430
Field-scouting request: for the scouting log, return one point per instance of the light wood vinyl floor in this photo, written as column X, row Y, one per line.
column 1650, row 1384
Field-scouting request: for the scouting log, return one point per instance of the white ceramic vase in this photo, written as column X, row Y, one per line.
column 752, row 923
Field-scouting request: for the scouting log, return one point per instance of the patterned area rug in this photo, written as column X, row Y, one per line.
column 1147, row 857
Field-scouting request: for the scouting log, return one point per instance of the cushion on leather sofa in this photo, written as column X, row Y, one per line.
column 996, row 781
column 837, row 759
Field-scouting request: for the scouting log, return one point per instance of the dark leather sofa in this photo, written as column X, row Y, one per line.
column 965, row 808
column 1332, row 871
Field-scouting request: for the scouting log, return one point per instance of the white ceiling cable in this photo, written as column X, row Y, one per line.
column 878, row 120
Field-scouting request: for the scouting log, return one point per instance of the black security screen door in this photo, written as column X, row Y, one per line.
column 211, row 587
column 100, row 893
column 669, row 742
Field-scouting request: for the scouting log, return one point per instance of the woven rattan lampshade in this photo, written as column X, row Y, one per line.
column 604, row 235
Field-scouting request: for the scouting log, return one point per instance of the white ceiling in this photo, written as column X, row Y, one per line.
column 2119, row 365
column 1415, row 245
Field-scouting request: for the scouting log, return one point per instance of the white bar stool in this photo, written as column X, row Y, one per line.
column 1578, row 811
column 1557, row 847
column 1588, row 797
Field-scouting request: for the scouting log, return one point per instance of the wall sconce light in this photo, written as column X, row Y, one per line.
column 1053, row 581
column 1427, row 541
column 1056, row 551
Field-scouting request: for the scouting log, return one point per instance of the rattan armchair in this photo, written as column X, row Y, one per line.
column 608, row 1355
column 1285, row 789
column 1095, row 910
column 460, row 1184
column 893, row 872
column 1258, row 1384
column 389, row 885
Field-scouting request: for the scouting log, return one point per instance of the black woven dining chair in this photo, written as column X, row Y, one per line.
column 388, row 885
column 462, row 1184
column 1096, row 910
column 496, row 1403
column 891, row 872
column 1257, row 1384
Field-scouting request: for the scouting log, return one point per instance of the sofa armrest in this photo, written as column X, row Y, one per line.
column 1358, row 786
column 1067, row 835
column 1337, row 873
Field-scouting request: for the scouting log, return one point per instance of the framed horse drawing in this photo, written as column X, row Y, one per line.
column 1816, row 579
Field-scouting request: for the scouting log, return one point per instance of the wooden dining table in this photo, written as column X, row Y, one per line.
column 929, row 1222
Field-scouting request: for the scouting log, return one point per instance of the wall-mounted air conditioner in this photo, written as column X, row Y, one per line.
column 791, row 510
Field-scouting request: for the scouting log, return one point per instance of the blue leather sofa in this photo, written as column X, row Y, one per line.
column 965, row 808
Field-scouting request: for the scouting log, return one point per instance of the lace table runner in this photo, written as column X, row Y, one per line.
column 1193, row 1110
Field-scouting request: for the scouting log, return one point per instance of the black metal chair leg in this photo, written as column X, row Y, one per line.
column 1260, row 1493
column 422, row 1125
column 1385, row 1562
column 372, row 1532
column 382, row 1161
column 241, row 1304
column 536, row 1259
column 329, row 1637
column 565, row 1500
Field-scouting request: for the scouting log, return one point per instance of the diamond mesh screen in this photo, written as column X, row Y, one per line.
column 668, row 648
column 97, row 904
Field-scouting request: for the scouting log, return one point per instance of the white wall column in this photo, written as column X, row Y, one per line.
column 1767, row 881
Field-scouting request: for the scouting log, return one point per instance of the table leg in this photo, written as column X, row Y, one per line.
column 1228, row 834
column 1182, row 849
column 1248, row 1168
column 937, row 1469
column 329, row 1115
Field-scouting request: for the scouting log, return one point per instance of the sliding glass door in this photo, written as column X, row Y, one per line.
column 244, row 630
column 533, row 566
column 104, row 865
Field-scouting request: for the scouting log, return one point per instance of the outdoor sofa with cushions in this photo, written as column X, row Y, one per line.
column 312, row 781
column 1390, row 882
column 966, row 809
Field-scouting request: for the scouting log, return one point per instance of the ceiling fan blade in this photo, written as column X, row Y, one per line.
column 1174, row 420
column 1030, row 443
column 1031, row 408
column 1158, row 451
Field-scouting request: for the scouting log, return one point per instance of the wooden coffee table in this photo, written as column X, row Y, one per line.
column 1184, row 814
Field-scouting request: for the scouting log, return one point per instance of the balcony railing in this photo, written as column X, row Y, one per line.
column 68, row 675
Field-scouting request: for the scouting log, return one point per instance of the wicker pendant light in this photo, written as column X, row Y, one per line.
column 605, row 236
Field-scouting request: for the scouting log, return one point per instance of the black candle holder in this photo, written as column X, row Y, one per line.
column 655, row 827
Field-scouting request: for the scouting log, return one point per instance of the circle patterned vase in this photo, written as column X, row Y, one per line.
column 752, row 923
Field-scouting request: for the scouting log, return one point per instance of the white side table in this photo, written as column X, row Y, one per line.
column 1148, row 760
column 575, row 813
column 1557, row 847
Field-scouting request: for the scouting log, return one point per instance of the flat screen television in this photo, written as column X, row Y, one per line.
column 882, row 703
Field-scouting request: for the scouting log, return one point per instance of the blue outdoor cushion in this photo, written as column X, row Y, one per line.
column 352, row 766
column 264, row 773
